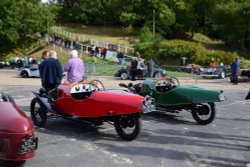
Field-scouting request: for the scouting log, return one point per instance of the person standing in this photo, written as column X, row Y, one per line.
column 212, row 63
column 74, row 67
column 235, row 67
column 150, row 65
column 51, row 72
column 133, row 68
column 140, row 68
column 120, row 58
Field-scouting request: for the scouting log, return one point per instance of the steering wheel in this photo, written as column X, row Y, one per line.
column 98, row 84
column 166, row 83
column 174, row 81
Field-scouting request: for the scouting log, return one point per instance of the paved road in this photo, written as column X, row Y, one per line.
column 166, row 139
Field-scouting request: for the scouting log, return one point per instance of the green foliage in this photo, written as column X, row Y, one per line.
column 231, row 21
column 18, row 19
column 148, row 46
column 172, row 51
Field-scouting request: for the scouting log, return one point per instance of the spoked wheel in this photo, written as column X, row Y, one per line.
column 204, row 114
column 98, row 84
column 128, row 126
column 38, row 113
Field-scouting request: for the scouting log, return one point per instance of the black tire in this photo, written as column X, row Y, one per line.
column 38, row 113
column 128, row 122
column 204, row 114
column 13, row 163
column 24, row 74
column 124, row 75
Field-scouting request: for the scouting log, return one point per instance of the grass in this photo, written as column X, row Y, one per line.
column 107, row 34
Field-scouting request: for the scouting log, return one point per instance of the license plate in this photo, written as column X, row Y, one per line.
column 28, row 145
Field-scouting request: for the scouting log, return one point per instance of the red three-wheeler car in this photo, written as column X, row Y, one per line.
column 17, row 139
column 88, row 101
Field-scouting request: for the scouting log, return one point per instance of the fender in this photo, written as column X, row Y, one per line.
column 44, row 101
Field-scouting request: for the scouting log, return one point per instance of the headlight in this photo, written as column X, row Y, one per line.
column 28, row 145
column 164, row 71
column 222, row 97
column 148, row 104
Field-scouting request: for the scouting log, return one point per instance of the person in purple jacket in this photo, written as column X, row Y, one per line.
column 74, row 67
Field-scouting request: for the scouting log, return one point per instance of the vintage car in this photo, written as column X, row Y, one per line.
column 28, row 71
column 190, row 68
column 124, row 73
column 17, row 139
column 88, row 101
column 216, row 72
column 170, row 96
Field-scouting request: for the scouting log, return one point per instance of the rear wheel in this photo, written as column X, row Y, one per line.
column 128, row 127
column 124, row 75
column 204, row 114
column 24, row 74
column 38, row 113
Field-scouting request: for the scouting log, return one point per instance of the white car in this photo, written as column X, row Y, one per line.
column 31, row 71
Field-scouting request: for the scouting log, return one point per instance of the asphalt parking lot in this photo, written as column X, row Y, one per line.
column 166, row 140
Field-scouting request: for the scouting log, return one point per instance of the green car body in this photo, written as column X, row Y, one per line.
column 170, row 96
column 180, row 95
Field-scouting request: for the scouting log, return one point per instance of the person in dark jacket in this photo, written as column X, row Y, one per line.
column 51, row 72
column 133, row 68
column 235, row 67
column 246, row 73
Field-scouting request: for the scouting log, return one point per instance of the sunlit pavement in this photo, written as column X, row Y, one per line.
column 165, row 140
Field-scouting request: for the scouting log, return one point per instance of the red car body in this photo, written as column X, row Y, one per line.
column 98, row 104
column 17, row 139
column 87, row 102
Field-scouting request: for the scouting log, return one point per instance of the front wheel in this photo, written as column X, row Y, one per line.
column 38, row 113
column 204, row 114
column 128, row 127
column 124, row 75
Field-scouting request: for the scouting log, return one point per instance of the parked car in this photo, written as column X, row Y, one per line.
column 88, row 101
column 190, row 68
column 216, row 72
column 124, row 73
column 171, row 97
column 17, row 139
column 28, row 71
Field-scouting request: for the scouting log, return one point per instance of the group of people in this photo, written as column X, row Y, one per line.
column 51, row 70
column 95, row 51
column 235, row 68
column 138, row 65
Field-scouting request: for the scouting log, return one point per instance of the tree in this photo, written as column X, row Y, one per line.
column 19, row 18
column 231, row 21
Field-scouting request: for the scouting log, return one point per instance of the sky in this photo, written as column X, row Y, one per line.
column 44, row 1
